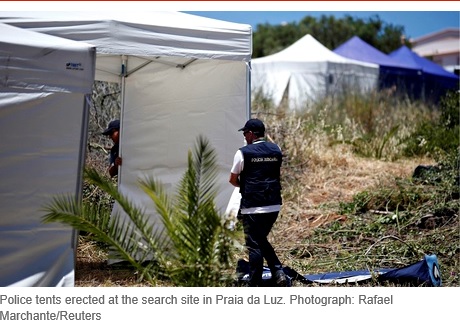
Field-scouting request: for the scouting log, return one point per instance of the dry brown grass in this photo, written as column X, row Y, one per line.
column 318, row 174
column 336, row 177
column 92, row 270
column 327, row 178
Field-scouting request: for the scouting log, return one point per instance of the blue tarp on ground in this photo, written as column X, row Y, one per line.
column 425, row 272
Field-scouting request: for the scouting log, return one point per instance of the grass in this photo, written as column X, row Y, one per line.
column 350, row 202
column 313, row 236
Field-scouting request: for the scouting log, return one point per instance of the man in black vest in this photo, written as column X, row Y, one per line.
column 256, row 171
column 113, row 131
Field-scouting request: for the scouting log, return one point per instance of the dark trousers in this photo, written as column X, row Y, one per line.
column 256, row 230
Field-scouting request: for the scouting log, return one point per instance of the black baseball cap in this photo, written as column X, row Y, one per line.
column 254, row 125
column 113, row 125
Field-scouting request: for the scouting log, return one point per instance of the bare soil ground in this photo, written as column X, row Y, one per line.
column 333, row 178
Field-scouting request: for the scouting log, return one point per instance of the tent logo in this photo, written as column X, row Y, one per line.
column 74, row 66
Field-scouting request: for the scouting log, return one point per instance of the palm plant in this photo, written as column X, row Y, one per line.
column 193, row 247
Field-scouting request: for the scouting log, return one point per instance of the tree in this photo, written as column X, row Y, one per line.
column 329, row 31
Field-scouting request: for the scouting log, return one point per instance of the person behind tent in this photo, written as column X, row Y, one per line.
column 256, row 171
column 113, row 131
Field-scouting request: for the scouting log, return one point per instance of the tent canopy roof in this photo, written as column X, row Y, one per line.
column 356, row 48
column 15, row 36
column 308, row 49
column 34, row 61
column 307, row 71
column 427, row 66
column 172, row 39
column 156, row 33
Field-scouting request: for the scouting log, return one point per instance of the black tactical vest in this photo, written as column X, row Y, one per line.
column 260, row 179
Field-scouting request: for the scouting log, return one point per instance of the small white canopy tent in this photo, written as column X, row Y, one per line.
column 181, row 76
column 307, row 71
column 43, row 124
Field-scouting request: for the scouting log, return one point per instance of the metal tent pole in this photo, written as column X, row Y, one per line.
column 124, row 72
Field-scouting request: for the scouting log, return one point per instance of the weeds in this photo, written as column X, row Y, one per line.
column 351, row 200
column 393, row 220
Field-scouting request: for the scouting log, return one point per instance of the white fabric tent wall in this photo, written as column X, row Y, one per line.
column 43, row 123
column 307, row 71
column 160, row 132
column 181, row 76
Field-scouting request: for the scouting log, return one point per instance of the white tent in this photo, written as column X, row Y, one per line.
column 307, row 71
column 181, row 76
column 43, row 124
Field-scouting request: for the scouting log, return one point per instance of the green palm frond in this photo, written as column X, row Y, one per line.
column 199, row 237
column 125, row 238
column 192, row 248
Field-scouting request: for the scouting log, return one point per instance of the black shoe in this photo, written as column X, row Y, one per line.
column 280, row 278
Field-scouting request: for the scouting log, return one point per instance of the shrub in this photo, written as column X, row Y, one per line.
column 439, row 135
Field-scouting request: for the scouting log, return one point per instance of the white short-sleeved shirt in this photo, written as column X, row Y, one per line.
column 237, row 168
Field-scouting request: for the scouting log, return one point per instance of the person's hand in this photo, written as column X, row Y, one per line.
column 118, row 161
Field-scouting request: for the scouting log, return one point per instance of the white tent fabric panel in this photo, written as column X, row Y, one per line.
column 43, row 123
column 307, row 71
column 166, row 113
column 40, row 158
column 181, row 75
column 24, row 61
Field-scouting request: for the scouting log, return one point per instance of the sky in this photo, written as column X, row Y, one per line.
column 430, row 16
column 415, row 24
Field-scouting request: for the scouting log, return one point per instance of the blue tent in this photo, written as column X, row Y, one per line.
column 435, row 80
column 402, row 70
column 394, row 73
column 358, row 49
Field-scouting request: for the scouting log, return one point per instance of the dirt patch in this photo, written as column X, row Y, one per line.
column 333, row 178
